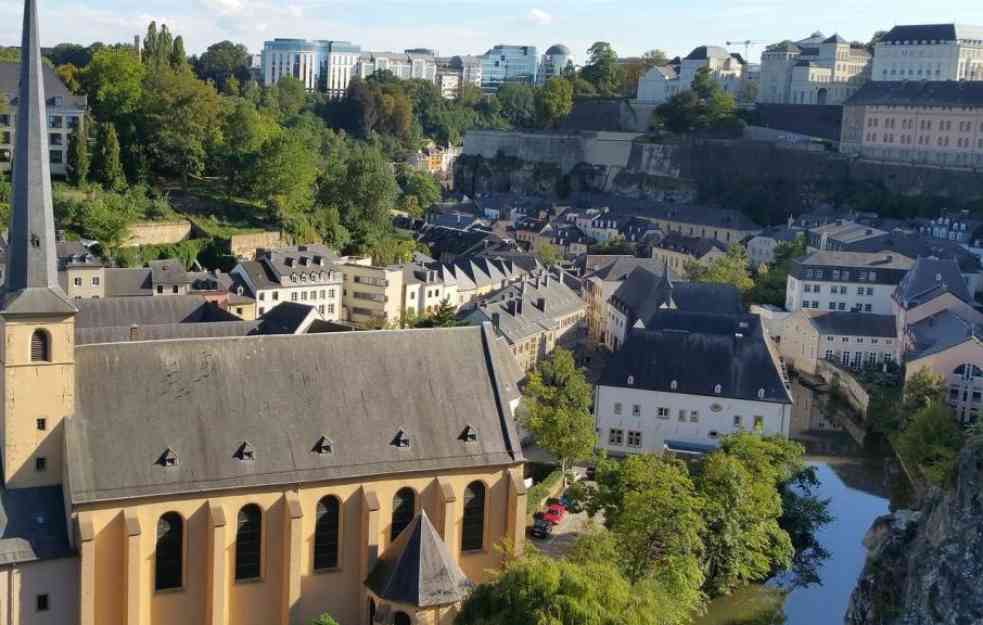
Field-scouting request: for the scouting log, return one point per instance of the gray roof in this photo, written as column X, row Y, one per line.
column 53, row 85
column 517, row 321
column 915, row 246
column 283, row 261
column 858, row 259
column 930, row 278
column 697, row 247
column 126, row 311
column 645, row 293
column 32, row 261
column 941, row 331
column 835, row 39
column 129, row 282
column 168, row 272
column 620, row 267
column 699, row 351
column 281, row 394
column 707, row 52
column 418, row 569
column 932, row 33
column 259, row 274
column 855, row 324
column 963, row 93
column 558, row 49
column 32, row 525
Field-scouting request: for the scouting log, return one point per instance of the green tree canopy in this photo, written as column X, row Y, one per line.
column 78, row 153
column 113, row 81
column 731, row 268
column 602, row 69
column 771, row 281
column 518, row 102
column 554, row 101
column 420, row 191
column 222, row 61
column 558, row 409
column 931, row 440
column 107, row 167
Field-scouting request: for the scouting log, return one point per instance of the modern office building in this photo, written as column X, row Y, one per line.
column 326, row 66
column 507, row 63
column 412, row 64
column 930, row 52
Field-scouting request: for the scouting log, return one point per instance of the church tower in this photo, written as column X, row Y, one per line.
column 37, row 319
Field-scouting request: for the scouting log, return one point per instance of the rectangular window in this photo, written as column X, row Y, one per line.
column 694, row 416
column 682, row 416
column 870, row 291
column 293, row 297
column 42, row 424
column 77, row 281
column 42, row 603
column 40, row 464
column 636, row 410
column 663, row 413
column 616, row 437
column 56, row 157
column 867, row 308
column 634, row 439
column 617, row 407
column 95, row 281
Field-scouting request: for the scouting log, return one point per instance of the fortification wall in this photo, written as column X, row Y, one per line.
column 157, row 233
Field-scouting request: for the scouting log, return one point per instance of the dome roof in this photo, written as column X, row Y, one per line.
column 559, row 49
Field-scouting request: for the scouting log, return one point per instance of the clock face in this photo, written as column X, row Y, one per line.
column 716, row 407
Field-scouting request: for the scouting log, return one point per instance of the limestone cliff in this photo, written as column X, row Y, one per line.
column 926, row 568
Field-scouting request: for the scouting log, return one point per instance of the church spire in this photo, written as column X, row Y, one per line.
column 32, row 270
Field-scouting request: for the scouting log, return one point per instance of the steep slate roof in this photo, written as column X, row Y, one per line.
column 707, row 52
column 930, row 278
column 914, row 246
column 418, row 569
column 854, row 324
column 32, row 525
column 963, row 93
column 168, row 272
column 128, row 282
column 645, row 293
column 887, row 260
column 699, row 351
column 835, row 39
column 517, row 325
column 53, row 86
column 621, row 267
column 697, row 247
column 259, row 274
column 205, row 398
column 941, row 331
column 126, row 311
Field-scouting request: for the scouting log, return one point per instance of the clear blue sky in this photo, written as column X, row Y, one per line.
column 472, row 26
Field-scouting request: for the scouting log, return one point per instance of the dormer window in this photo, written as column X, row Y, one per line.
column 718, row 389
column 761, row 393
column 167, row 459
column 631, row 380
column 673, row 385
column 245, row 452
column 323, row 446
column 469, row 435
column 401, row 440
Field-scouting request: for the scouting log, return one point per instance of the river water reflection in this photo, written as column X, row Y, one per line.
column 856, row 486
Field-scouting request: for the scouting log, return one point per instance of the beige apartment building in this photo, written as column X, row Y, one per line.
column 677, row 251
column 919, row 122
column 849, row 339
column 814, row 70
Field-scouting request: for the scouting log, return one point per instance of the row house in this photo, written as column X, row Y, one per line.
column 302, row 273
column 849, row 339
column 677, row 251
column 845, row 281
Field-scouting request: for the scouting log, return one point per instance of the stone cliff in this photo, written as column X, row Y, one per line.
column 926, row 567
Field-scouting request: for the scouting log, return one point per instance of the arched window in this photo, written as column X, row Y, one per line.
column 40, row 346
column 401, row 618
column 473, row 523
column 404, row 507
column 169, row 554
column 326, row 534
column 249, row 535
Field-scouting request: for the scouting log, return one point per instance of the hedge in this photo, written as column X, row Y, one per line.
column 539, row 492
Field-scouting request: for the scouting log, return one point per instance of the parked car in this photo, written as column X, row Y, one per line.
column 541, row 528
column 555, row 513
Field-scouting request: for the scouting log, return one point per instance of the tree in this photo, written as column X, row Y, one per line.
column 106, row 218
column 445, row 316
column 652, row 508
column 222, row 61
column 291, row 95
column 78, row 153
column 743, row 541
column 69, row 54
column 244, row 132
column 931, row 440
column 704, row 84
column 324, row 619
column 178, row 115
column 518, row 102
column 602, row 69
column 654, row 58
column 420, row 191
column 924, row 388
column 771, row 281
column 558, row 401
column 107, row 168
column 70, row 76
column 554, row 102
column 113, row 81
column 547, row 253
column 731, row 268
column 285, row 172
column 178, row 58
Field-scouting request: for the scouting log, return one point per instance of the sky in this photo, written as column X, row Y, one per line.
column 473, row 26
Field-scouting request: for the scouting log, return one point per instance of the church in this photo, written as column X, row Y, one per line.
column 241, row 480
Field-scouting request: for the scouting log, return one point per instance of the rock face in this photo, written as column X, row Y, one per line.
column 926, row 568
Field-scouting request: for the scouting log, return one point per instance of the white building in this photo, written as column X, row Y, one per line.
column 846, row 281
column 304, row 274
column 326, row 66
column 930, row 52
column 661, row 83
column 405, row 66
column 814, row 70
column 689, row 380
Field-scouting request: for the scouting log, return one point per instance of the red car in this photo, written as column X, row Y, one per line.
column 554, row 513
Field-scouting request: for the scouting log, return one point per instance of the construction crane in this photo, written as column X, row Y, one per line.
column 747, row 43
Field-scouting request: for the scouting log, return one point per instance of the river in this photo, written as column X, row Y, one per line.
column 856, row 486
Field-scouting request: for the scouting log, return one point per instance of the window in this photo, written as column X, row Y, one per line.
column 404, row 507
column 636, row 410
column 42, row 424
column 759, row 423
column 326, row 534
column 682, row 416
column 617, row 407
column 401, row 618
column 634, row 439
column 42, row 603
column 169, row 554
column 249, row 534
column 57, row 157
column 616, row 437
column 473, row 522
column 40, row 464
column 77, row 281
column 663, row 413
column 40, row 346
column 737, row 421
column 95, row 281
column 694, row 416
